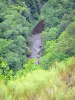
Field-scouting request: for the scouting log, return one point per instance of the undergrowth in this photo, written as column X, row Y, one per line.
column 57, row 83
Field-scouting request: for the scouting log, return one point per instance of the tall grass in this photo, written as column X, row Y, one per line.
column 58, row 83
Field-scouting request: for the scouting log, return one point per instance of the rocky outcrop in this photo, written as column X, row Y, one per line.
column 39, row 27
column 37, row 42
column 36, row 47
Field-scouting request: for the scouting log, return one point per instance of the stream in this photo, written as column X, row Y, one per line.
column 36, row 47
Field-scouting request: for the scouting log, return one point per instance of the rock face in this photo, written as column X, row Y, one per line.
column 37, row 41
column 39, row 27
column 36, row 47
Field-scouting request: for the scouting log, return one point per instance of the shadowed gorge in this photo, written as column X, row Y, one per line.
column 36, row 47
column 36, row 39
column 39, row 27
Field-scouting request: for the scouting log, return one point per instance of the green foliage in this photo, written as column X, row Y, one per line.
column 5, row 72
column 49, row 34
column 53, row 12
column 58, row 39
column 58, row 50
column 71, row 28
column 27, row 68
column 4, row 44
column 34, row 6
column 56, row 83
column 25, row 80
column 15, row 28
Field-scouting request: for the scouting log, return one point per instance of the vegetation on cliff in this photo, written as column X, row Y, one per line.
column 54, row 77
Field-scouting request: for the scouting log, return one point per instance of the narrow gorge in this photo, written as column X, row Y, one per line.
column 36, row 39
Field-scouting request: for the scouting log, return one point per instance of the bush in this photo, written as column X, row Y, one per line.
column 71, row 28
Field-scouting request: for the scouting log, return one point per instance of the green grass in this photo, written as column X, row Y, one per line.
column 57, row 83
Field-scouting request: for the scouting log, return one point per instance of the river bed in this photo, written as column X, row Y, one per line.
column 36, row 47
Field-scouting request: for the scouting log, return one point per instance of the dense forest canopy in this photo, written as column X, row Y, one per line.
column 16, row 23
column 53, row 78
column 58, row 36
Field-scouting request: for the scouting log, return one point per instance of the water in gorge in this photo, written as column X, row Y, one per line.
column 36, row 40
column 36, row 47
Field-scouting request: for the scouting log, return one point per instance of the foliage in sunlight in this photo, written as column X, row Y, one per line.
column 43, row 85
column 53, row 78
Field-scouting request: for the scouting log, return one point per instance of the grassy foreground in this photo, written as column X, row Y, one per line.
column 57, row 83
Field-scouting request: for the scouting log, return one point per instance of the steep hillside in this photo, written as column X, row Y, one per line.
column 55, row 84
column 59, row 34
column 15, row 27
column 53, row 76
